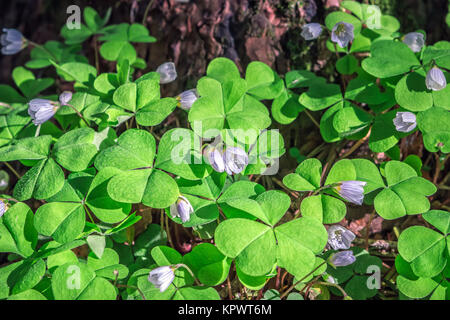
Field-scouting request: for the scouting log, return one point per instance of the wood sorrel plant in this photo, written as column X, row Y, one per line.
column 89, row 164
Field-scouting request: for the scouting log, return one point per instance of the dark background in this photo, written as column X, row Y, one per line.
column 191, row 34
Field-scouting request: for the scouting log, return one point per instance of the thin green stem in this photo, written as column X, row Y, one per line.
column 147, row 9
column 182, row 265
column 312, row 118
column 12, row 170
column 301, row 280
column 78, row 113
column 37, row 45
column 336, row 286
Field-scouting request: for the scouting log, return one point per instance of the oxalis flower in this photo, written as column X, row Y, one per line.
column 235, row 160
column 352, row 191
column 12, row 41
column 405, row 121
column 65, row 97
column 435, row 79
column 162, row 277
column 182, row 209
column 341, row 259
column 414, row 40
column 339, row 237
column 215, row 158
column 42, row 110
column 311, row 31
column 187, row 98
column 167, row 72
column 342, row 33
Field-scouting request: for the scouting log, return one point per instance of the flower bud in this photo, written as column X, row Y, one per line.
column 187, row 98
column 182, row 209
column 352, row 191
column 2, row 208
column 65, row 97
column 42, row 110
column 4, row 180
column 311, row 31
column 162, row 277
column 414, row 40
column 12, row 41
column 235, row 160
column 435, row 79
column 167, row 72
column 342, row 258
column 342, row 33
column 339, row 237
column 405, row 121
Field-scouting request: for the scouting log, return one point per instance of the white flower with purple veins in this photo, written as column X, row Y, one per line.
column 162, row 277
column 215, row 159
column 342, row 258
column 167, row 72
column 235, row 160
column 352, row 191
column 405, row 121
column 12, row 41
column 65, row 97
column 435, row 79
column 311, row 31
column 42, row 110
column 414, row 40
column 339, row 237
column 187, row 98
column 342, row 33
column 3, row 208
column 182, row 209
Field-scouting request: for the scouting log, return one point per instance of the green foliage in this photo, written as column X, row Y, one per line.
column 120, row 170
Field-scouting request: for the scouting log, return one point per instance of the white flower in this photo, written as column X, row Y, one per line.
column 187, row 99
column 167, row 72
column 182, row 209
column 435, row 79
column 352, row 191
column 162, row 277
column 342, row 33
column 339, row 237
column 235, row 160
column 3, row 208
column 65, row 97
column 311, row 31
column 342, row 258
column 12, row 41
column 215, row 158
column 42, row 110
column 329, row 278
column 414, row 40
column 405, row 121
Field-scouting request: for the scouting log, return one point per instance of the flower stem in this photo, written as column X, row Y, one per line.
column 301, row 280
column 12, row 170
column 78, row 113
column 36, row 45
column 182, row 265
column 336, row 286
column 312, row 118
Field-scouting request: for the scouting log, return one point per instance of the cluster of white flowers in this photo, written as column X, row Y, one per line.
column 233, row 161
